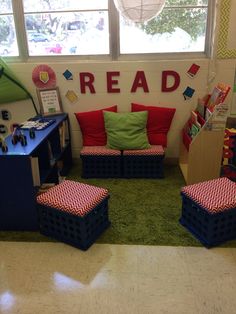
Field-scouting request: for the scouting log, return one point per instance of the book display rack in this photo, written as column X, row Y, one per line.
column 202, row 140
column 24, row 168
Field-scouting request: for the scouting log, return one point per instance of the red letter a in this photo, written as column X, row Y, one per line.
column 140, row 81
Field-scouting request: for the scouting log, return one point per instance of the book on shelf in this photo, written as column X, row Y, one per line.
column 50, row 154
column 218, row 95
column 35, row 171
column 201, row 107
column 66, row 127
column 194, row 119
column 64, row 134
column 200, row 119
column 194, row 130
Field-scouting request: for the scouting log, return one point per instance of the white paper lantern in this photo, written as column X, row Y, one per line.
column 139, row 11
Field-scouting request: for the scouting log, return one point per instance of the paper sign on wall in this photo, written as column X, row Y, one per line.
column 188, row 93
column 71, row 96
column 68, row 75
column 192, row 71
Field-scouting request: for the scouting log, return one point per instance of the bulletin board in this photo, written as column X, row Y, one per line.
column 227, row 39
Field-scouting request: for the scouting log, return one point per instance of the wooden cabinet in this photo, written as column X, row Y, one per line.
column 200, row 158
column 25, row 168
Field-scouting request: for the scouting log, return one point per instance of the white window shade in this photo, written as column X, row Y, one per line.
column 139, row 11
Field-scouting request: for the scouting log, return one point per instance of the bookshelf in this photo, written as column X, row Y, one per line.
column 200, row 157
column 25, row 168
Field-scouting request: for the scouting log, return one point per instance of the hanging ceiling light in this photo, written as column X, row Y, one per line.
column 139, row 11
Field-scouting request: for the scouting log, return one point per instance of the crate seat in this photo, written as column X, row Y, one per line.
column 74, row 213
column 144, row 163
column 100, row 162
column 209, row 210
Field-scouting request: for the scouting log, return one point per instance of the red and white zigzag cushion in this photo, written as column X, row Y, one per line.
column 215, row 195
column 99, row 151
column 153, row 150
column 73, row 197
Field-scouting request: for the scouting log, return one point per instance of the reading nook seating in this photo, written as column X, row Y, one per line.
column 124, row 145
column 74, row 213
column 103, row 162
column 209, row 210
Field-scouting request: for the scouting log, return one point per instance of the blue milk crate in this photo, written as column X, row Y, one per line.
column 209, row 229
column 80, row 232
column 144, row 163
column 209, row 211
column 101, row 166
column 74, row 213
column 143, row 166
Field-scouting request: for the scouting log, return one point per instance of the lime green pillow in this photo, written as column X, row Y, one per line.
column 126, row 130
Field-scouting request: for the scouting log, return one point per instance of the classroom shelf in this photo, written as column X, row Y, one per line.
column 25, row 168
column 200, row 158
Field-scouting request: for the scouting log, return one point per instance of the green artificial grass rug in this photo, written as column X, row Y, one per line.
column 141, row 211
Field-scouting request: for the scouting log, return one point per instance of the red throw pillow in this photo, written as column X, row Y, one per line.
column 158, row 122
column 93, row 127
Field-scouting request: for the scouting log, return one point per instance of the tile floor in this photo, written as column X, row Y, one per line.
column 56, row 278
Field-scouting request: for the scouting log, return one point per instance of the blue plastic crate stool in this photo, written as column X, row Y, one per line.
column 100, row 162
column 209, row 211
column 74, row 213
column 144, row 163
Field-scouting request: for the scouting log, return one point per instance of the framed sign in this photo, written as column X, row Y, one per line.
column 49, row 101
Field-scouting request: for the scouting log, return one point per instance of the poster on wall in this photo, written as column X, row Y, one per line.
column 43, row 76
column 50, row 101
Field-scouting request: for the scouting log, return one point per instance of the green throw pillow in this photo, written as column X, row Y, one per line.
column 126, row 130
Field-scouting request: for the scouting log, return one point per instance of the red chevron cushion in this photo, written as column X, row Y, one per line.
column 99, row 151
column 73, row 197
column 153, row 151
column 215, row 195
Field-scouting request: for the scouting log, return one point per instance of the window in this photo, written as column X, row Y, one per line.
column 8, row 43
column 181, row 27
column 65, row 27
column 93, row 28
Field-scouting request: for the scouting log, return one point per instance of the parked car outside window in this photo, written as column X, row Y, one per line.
column 38, row 37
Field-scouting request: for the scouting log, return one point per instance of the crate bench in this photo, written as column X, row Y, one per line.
column 209, row 211
column 143, row 163
column 102, row 162
column 74, row 213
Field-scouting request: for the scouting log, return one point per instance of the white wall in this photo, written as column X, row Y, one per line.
column 153, row 72
column 210, row 73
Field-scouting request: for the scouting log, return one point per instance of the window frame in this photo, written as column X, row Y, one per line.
column 114, row 40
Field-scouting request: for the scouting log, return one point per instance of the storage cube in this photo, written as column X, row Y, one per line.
column 100, row 162
column 74, row 213
column 209, row 210
column 144, row 163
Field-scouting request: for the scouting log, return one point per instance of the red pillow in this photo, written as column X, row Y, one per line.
column 158, row 122
column 93, row 127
